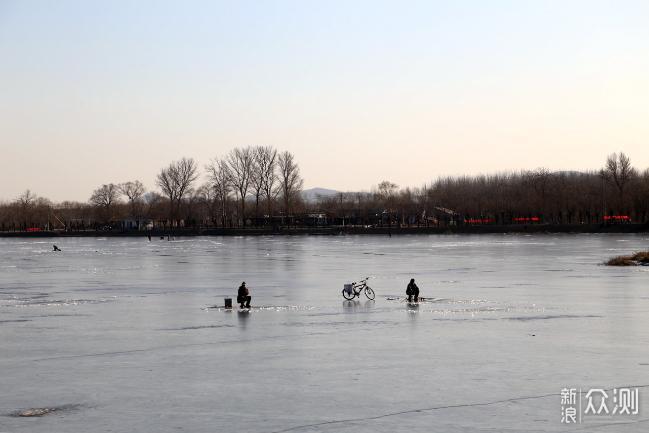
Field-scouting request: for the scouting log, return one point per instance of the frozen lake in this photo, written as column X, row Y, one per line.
column 116, row 334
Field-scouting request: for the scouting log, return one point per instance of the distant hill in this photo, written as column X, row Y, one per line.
column 313, row 194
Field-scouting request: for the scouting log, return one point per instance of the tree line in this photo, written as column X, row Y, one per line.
column 270, row 177
column 261, row 186
column 616, row 193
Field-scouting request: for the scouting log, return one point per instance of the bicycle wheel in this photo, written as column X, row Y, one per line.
column 369, row 293
column 349, row 296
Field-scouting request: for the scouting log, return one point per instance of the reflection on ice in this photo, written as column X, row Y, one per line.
column 42, row 301
column 264, row 308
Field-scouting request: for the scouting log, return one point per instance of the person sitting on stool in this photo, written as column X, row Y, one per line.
column 243, row 296
column 412, row 291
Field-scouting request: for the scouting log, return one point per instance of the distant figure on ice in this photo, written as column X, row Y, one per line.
column 243, row 296
column 412, row 291
column 55, row 248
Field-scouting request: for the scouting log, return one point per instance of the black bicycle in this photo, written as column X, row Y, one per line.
column 354, row 289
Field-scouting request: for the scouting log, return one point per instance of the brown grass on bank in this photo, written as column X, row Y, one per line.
column 640, row 258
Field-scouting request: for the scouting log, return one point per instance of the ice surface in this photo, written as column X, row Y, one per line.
column 118, row 334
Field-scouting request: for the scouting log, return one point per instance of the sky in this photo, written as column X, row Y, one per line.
column 360, row 91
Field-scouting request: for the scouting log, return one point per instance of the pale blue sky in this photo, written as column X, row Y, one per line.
column 360, row 91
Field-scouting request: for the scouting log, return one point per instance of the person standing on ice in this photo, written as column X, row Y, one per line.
column 412, row 291
column 243, row 296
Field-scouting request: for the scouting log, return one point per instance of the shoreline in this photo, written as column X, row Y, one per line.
column 349, row 230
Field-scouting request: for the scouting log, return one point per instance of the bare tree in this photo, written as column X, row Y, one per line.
column 207, row 197
column 221, row 184
column 642, row 201
column 290, row 180
column 387, row 196
column 26, row 202
column 270, row 184
column 264, row 176
column 539, row 180
column 176, row 182
column 153, row 206
column 104, row 198
column 27, row 198
column 133, row 191
column 240, row 163
column 619, row 172
column 28, row 210
column 387, row 190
